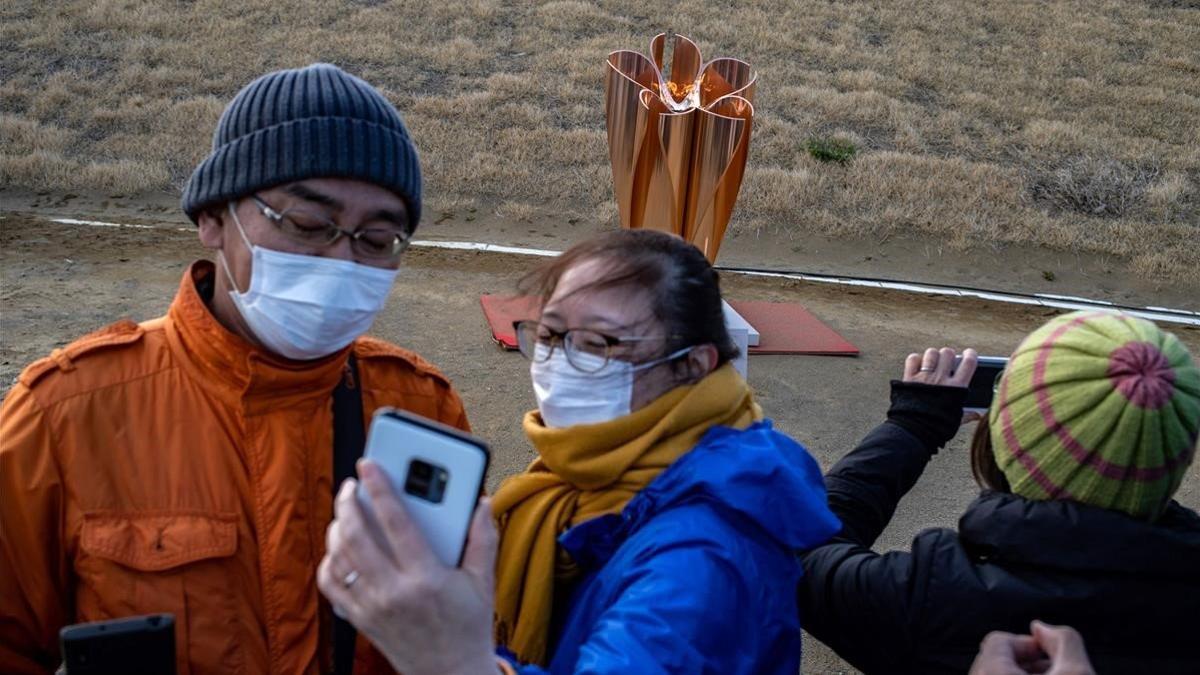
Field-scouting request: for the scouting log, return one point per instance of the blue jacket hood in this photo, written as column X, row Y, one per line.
column 757, row 475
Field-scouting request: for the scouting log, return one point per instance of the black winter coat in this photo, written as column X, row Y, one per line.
column 1132, row 588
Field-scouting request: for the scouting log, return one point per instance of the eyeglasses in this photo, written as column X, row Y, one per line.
column 580, row 345
column 376, row 243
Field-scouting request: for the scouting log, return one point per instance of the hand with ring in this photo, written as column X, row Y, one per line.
column 381, row 575
column 937, row 366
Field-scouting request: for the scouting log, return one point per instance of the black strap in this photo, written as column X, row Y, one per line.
column 349, row 437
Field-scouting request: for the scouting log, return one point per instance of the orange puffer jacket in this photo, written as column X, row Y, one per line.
column 171, row 467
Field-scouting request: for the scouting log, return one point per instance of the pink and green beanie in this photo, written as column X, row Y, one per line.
column 1098, row 408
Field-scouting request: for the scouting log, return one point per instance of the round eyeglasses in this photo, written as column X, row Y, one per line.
column 379, row 242
column 586, row 350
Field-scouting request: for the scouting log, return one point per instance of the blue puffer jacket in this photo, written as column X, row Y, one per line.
column 698, row 574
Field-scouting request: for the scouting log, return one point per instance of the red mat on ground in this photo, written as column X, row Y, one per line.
column 502, row 310
column 783, row 327
column 788, row 328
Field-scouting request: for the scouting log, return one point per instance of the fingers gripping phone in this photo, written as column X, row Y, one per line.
column 984, row 383
column 436, row 470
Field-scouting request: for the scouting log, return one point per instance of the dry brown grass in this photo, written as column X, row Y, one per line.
column 957, row 108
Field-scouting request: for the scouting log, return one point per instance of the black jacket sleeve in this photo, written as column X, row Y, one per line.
column 859, row 602
column 867, row 484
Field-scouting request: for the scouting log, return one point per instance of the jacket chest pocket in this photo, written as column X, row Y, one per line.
column 181, row 563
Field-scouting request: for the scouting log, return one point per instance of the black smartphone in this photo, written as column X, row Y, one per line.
column 984, row 382
column 134, row 645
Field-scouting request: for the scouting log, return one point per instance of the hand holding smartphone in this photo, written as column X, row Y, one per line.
column 984, row 383
column 436, row 470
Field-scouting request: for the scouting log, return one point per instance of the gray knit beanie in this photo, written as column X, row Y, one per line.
column 312, row 122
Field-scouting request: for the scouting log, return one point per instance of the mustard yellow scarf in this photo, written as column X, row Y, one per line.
column 587, row 471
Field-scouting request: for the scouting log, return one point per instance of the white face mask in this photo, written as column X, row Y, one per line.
column 303, row 307
column 567, row 396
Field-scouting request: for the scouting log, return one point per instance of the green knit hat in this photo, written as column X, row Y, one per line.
column 1098, row 408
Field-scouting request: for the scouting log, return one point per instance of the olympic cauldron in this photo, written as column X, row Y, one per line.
column 678, row 143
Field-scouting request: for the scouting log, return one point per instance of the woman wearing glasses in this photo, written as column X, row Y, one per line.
column 656, row 530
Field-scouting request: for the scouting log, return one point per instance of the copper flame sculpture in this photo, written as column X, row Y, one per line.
column 679, row 143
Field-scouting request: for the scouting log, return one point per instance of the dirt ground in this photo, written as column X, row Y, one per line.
column 60, row 281
column 913, row 256
column 1066, row 124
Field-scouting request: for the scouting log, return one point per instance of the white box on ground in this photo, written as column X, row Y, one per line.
column 741, row 339
column 733, row 320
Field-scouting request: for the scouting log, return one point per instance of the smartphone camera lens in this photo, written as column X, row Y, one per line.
column 426, row 481
column 420, row 470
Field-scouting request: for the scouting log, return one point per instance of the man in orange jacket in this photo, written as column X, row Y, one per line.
column 186, row 464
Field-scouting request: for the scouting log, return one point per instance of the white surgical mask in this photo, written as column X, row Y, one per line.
column 567, row 396
column 304, row 307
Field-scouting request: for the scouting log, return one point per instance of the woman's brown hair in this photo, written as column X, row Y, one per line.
column 983, row 460
column 684, row 288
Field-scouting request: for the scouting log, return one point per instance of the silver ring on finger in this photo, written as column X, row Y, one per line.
column 350, row 578
column 927, row 369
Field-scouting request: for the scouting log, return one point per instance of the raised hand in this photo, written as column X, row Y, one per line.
column 423, row 616
column 936, row 366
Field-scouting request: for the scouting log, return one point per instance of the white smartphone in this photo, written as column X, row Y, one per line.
column 984, row 382
column 436, row 470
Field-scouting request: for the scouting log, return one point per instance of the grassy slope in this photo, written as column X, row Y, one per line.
column 960, row 109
